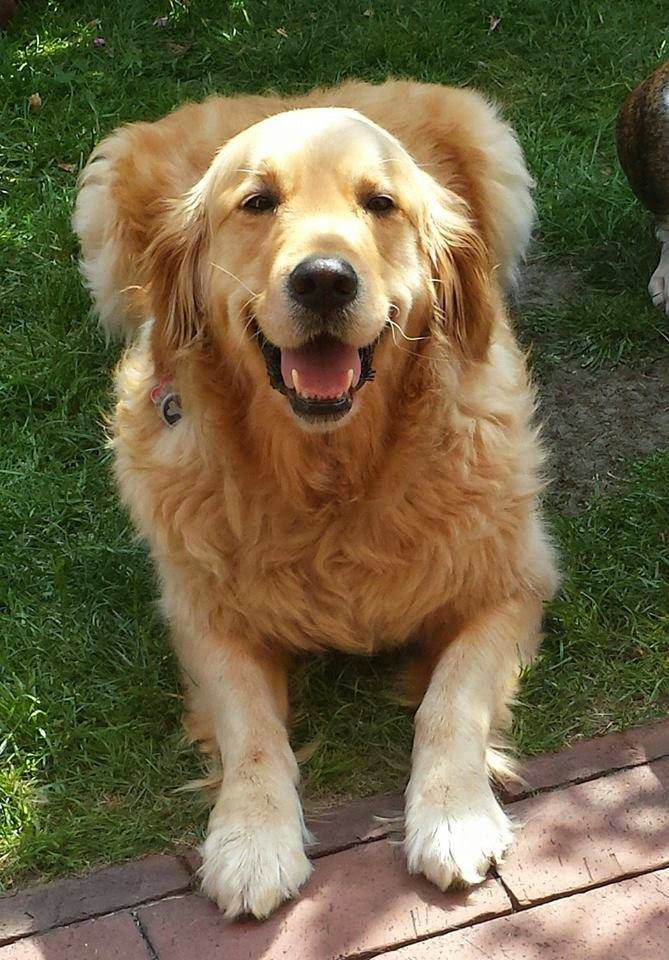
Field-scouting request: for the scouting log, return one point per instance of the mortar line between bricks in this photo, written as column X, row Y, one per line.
column 479, row 921
column 515, row 903
column 144, row 935
column 363, row 842
column 564, row 895
column 186, row 864
column 149, row 901
column 370, row 955
column 600, row 775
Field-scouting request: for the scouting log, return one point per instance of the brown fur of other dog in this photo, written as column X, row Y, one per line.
column 413, row 517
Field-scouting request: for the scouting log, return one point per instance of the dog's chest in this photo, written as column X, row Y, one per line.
column 359, row 577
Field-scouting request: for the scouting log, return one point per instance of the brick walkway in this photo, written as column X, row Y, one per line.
column 588, row 878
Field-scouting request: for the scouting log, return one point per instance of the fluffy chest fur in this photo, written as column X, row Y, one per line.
column 324, row 555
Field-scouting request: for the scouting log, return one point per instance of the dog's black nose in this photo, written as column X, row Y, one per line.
column 323, row 284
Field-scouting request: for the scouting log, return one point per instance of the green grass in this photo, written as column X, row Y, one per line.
column 89, row 739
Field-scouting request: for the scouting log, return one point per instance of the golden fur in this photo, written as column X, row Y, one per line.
column 415, row 519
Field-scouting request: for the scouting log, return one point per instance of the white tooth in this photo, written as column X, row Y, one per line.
column 349, row 383
column 295, row 377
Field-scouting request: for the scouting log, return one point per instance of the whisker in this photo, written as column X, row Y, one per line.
column 240, row 355
column 419, row 357
column 241, row 282
column 395, row 326
column 244, row 338
column 249, row 301
column 409, row 353
column 248, row 324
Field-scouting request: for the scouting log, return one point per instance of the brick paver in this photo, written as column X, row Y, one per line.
column 108, row 938
column 353, row 822
column 358, row 901
column 624, row 921
column 103, row 891
column 590, row 758
column 567, row 888
column 590, row 833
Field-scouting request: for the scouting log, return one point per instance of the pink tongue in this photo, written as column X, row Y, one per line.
column 322, row 367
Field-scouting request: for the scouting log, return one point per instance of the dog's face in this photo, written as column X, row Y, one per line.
column 317, row 230
column 312, row 235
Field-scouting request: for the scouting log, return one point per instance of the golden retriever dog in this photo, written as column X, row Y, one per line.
column 324, row 431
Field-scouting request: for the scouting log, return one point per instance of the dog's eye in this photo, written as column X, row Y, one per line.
column 379, row 203
column 259, row 203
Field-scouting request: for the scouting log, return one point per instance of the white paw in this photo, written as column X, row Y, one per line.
column 454, row 844
column 249, row 868
column 658, row 287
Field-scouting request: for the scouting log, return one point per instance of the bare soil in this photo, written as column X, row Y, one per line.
column 544, row 283
column 594, row 421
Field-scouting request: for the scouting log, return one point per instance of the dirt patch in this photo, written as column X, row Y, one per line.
column 594, row 421
column 545, row 283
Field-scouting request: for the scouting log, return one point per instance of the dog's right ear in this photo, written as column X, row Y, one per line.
column 174, row 276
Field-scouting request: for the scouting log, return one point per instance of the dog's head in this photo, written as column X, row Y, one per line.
column 312, row 243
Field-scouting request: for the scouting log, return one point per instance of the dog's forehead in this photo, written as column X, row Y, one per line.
column 315, row 136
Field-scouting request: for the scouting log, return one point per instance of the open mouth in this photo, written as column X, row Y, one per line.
column 321, row 377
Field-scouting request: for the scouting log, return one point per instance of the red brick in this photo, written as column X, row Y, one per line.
column 589, row 758
column 103, row 891
column 625, row 921
column 357, row 901
column 107, row 938
column 590, row 833
column 353, row 822
column 190, row 856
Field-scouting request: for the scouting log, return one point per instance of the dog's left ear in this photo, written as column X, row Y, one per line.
column 461, row 275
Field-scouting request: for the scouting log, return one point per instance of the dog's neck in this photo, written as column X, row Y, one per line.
column 383, row 443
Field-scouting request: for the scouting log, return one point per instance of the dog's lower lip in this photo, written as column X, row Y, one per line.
column 314, row 407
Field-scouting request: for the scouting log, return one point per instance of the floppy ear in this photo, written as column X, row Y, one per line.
column 461, row 276
column 175, row 276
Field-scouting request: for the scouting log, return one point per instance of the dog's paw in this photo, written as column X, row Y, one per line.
column 454, row 844
column 658, row 288
column 252, row 869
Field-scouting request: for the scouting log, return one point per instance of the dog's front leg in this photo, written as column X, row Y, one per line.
column 454, row 825
column 253, row 856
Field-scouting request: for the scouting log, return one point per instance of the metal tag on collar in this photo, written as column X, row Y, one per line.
column 168, row 402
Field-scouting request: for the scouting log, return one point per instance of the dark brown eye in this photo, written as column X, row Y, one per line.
column 379, row 203
column 259, row 203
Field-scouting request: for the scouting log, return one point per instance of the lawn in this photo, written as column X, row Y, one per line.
column 90, row 749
